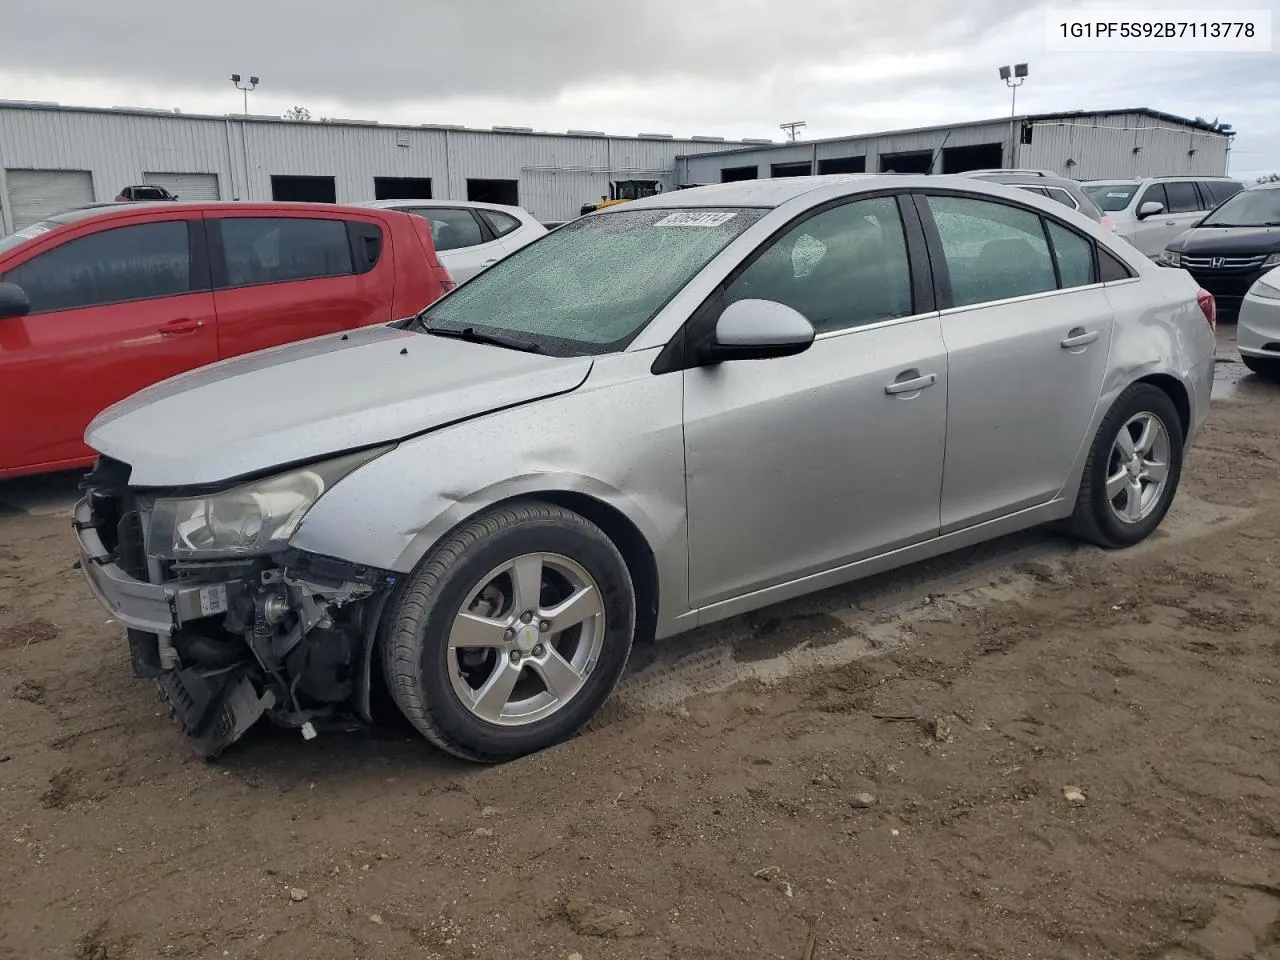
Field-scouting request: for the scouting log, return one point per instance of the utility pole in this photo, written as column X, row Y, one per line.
column 792, row 129
column 253, row 82
column 1013, row 78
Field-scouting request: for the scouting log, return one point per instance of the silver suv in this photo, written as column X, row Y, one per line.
column 1152, row 212
column 1048, row 184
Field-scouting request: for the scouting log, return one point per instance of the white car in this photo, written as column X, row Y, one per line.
column 1154, row 211
column 470, row 236
column 1258, row 329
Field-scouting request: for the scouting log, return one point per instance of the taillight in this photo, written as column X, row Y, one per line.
column 1208, row 307
column 1107, row 224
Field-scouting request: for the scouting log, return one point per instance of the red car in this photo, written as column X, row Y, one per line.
column 96, row 304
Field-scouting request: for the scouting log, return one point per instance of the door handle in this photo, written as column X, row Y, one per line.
column 185, row 325
column 1171, row 223
column 488, row 263
column 1079, row 337
column 910, row 381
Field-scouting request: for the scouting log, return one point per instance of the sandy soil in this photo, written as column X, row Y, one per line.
column 1064, row 753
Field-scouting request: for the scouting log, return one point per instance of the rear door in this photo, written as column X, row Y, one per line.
column 464, row 242
column 282, row 277
column 1027, row 329
column 114, row 308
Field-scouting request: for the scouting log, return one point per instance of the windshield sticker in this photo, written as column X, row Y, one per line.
column 34, row 230
column 690, row 219
column 1116, row 196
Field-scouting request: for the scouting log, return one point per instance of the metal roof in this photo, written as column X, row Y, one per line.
column 1002, row 121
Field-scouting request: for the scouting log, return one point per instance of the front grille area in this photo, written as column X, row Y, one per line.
column 1223, row 263
column 1228, row 286
column 115, row 515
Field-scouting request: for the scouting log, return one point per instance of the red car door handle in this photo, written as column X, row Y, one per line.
column 185, row 325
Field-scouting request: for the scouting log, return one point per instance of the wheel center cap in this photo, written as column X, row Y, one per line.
column 527, row 637
column 1135, row 468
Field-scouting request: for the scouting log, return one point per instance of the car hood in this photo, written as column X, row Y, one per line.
column 315, row 398
column 1228, row 241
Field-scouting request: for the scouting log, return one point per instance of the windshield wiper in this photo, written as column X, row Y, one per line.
column 475, row 336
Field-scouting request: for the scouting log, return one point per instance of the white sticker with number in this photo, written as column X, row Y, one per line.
column 213, row 600
column 26, row 233
column 691, row 219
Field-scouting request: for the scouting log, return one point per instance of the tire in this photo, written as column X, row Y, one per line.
column 432, row 685
column 1263, row 366
column 1097, row 517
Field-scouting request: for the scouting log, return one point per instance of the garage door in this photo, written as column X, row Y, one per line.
column 186, row 186
column 36, row 195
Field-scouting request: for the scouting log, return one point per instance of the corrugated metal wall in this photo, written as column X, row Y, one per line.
column 1100, row 145
column 1124, row 145
column 556, row 173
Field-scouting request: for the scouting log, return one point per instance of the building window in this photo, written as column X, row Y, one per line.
column 402, row 188
column 304, row 189
column 506, row 192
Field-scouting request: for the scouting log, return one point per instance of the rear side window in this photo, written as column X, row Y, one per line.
column 451, row 228
column 499, row 223
column 1074, row 255
column 1110, row 268
column 277, row 249
column 138, row 262
column 1216, row 191
column 993, row 251
column 1064, row 198
column 1182, row 196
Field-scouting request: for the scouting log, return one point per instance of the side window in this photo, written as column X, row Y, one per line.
column 1182, row 196
column 845, row 267
column 1074, row 255
column 499, row 223
column 1064, row 198
column 277, row 249
column 1218, row 190
column 993, row 251
column 1110, row 268
column 1153, row 194
column 450, row 228
column 138, row 262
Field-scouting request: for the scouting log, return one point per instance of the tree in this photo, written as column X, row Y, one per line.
column 1270, row 178
column 297, row 113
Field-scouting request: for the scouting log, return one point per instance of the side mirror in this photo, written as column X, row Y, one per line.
column 1150, row 209
column 758, row 330
column 13, row 301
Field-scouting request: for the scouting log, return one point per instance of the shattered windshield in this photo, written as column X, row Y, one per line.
column 593, row 284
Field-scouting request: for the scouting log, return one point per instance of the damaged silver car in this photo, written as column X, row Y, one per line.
column 653, row 418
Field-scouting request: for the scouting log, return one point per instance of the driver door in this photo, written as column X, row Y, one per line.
column 800, row 464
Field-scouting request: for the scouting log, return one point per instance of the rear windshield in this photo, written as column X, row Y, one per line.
column 26, row 233
column 1248, row 208
column 1110, row 197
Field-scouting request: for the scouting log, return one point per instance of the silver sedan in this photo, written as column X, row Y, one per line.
column 1258, row 327
column 650, row 419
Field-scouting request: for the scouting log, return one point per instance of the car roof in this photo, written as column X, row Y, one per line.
column 110, row 208
column 409, row 201
column 776, row 191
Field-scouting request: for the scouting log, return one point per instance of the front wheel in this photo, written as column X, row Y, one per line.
column 511, row 633
column 1133, row 469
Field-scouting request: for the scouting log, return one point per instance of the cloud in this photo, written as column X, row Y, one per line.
column 714, row 67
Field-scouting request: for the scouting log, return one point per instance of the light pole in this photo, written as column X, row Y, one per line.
column 1013, row 78
column 253, row 82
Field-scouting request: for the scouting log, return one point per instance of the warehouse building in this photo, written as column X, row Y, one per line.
column 1080, row 145
column 55, row 157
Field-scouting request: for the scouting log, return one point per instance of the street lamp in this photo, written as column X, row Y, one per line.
column 1013, row 78
column 253, row 82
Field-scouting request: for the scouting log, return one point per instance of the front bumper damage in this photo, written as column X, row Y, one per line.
column 289, row 637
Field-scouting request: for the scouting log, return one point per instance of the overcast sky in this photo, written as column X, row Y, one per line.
column 732, row 68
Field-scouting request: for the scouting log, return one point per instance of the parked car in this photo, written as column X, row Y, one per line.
column 1229, row 250
column 1152, row 211
column 470, row 236
column 145, row 191
column 1258, row 332
column 656, row 417
column 102, row 302
column 1048, row 184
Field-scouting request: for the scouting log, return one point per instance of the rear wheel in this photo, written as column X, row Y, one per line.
column 1133, row 469
column 512, row 633
column 1263, row 366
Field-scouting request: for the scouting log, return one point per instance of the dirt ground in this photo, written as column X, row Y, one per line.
column 1064, row 753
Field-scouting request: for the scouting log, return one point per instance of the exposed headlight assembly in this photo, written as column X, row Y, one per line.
column 249, row 520
column 1272, row 261
column 1170, row 258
